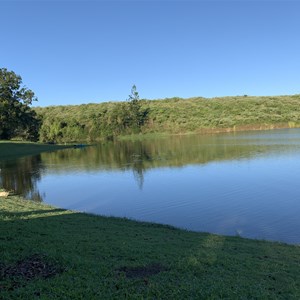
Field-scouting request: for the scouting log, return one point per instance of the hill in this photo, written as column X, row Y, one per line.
column 92, row 122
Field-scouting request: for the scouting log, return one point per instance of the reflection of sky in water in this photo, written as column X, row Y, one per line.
column 255, row 198
column 276, row 137
column 245, row 184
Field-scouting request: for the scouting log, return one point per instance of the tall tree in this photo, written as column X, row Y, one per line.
column 16, row 116
column 136, row 115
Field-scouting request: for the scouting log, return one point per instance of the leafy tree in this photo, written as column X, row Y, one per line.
column 16, row 116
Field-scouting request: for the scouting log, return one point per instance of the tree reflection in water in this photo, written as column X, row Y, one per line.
column 20, row 176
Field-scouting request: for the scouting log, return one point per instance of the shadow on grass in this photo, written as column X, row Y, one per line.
column 16, row 214
column 112, row 258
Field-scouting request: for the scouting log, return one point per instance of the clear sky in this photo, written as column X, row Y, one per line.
column 73, row 52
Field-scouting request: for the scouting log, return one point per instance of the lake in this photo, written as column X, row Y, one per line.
column 244, row 184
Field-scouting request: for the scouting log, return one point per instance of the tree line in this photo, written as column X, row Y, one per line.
column 19, row 120
column 94, row 122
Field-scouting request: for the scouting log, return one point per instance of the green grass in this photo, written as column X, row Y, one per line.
column 12, row 150
column 91, row 122
column 113, row 258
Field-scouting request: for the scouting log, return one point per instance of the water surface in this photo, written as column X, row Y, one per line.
column 243, row 184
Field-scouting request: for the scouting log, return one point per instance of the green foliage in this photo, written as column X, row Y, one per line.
column 173, row 115
column 136, row 115
column 92, row 122
column 17, row 119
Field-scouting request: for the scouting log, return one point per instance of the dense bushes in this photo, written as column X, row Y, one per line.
column 91, row 122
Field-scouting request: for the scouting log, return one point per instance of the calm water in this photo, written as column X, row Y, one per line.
column 243, row 184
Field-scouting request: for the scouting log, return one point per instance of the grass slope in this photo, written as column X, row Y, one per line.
column 11, row 150
column 61, row 254
column 173, row 116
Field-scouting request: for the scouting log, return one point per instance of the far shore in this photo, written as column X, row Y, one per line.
column 10, row 149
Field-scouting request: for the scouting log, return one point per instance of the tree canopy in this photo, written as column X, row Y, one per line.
column 17, row 119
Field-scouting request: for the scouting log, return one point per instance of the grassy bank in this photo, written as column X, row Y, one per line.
column 11, row 150
column 89, row 122
column 49, row 253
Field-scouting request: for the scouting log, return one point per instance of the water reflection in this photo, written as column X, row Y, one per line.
column 237, row 184
column 174, row 151
column 20, row 176
column 139, row 156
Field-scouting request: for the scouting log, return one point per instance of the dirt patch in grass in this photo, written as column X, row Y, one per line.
column 142, row 271
column 27, row 269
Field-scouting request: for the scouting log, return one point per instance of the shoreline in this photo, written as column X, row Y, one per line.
column 212, row 131
column 48, row 253
column 93, row 256
column 8, row 149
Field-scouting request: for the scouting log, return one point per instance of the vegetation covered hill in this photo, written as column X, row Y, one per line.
column 91, row 122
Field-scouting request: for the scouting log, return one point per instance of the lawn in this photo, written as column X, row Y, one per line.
column 11, row 150
column 50, row 253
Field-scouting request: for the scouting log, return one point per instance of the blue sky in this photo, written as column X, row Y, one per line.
column 73, row 52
